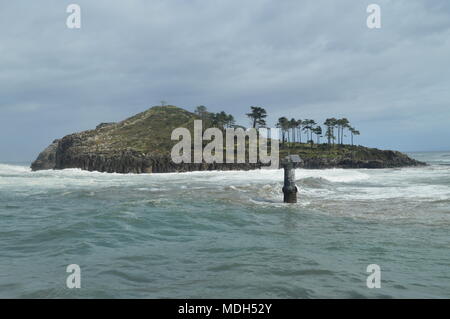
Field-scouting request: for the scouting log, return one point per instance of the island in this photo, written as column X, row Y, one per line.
column 142, row 144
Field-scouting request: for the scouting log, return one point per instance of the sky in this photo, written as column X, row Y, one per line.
column 302, row 59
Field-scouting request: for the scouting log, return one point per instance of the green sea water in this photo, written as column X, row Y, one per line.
column 226, row 234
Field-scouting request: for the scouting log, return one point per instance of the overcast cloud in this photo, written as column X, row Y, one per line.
column 302, row 59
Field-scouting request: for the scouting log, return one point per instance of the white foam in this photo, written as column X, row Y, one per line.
column 337, row 175
column 13, row 169
column 346, row 184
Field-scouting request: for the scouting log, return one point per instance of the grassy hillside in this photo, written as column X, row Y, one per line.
column 146, row 132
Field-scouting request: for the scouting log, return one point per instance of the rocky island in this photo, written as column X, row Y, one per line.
column 142, row 144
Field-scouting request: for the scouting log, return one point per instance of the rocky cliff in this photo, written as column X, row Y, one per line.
column 142, row 144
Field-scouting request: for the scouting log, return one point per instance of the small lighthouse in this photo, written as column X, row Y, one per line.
column 290, row 189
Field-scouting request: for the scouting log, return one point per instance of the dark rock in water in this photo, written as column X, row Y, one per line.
column 142, row 144
column 375, row 159
column 47, row 159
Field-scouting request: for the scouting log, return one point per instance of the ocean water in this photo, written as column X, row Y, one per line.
column 226, row 234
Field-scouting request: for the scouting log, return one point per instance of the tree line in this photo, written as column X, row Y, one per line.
column 292, row 131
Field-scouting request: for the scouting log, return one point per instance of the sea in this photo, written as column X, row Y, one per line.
column 226, row 234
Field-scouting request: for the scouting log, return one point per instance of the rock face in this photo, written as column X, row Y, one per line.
column 142, row 144
column 47, row 158
column 392, row 159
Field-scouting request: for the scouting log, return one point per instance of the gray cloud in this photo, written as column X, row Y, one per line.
column 302, row 59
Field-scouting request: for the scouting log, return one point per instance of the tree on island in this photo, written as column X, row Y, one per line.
column 291, row 130
column 230, row 121
column 318, row 131
column 330, row 123
column 283, row 124
column 353, row 132
column 293, row 126
column 201, row 111
column 299, row 129
column 257, row 116
column 308, row 126
column 342, row 124
column 205, row 116
column 220, row 120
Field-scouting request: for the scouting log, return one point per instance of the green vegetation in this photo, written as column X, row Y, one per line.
column 142, row 143
column 150, row 132
column 306, row 151
column 257, row 116
column 292, row 130
column 146, row 132
column 219, row 120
